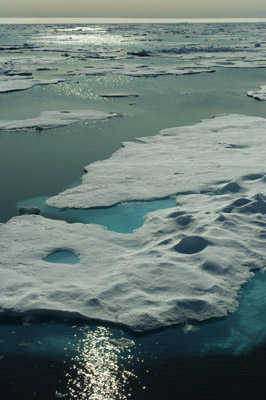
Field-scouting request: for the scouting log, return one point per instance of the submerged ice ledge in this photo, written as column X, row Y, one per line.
column 185, row 263
column 53, row 119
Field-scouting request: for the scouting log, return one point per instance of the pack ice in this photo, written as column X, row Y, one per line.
column 185, row 263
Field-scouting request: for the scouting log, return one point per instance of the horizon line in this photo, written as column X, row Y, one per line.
column 130, row 19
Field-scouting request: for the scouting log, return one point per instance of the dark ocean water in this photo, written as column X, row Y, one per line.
column 221, row 377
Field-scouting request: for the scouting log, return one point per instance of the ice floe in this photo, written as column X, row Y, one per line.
column 182, row 159
column 15, row 83
column 259, row 94
column 107, row 95
column 136, row 70
column 185, row 263
column 53, row 119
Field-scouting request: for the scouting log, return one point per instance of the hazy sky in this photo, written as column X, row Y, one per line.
column 136, row 8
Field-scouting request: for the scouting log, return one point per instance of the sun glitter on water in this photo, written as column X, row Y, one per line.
column 100, row 370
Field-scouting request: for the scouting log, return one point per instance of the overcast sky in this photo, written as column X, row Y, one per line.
column 136, row 8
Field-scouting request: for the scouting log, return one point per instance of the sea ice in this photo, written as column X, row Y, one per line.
column 259, row 94
column 107, row 95
column 16, row 82
column 137, row 70
column 178, row 160
column 166, row 272
column 53, row 119
column 185, row 263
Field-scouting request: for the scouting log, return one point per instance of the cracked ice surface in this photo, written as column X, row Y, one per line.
column 53, row 119
column 182, row 159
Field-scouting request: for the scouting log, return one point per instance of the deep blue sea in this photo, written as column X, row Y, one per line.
column 156, row 76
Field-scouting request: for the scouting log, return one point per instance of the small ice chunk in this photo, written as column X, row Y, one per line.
column 259, row 94
column 107, row 95
column 123, row 342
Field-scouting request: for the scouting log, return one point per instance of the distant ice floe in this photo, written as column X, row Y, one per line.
column 136, row 70
column 185, row 263
column 107, row 95
column 259, row 94
column 53, row 119
column 16, row 72
column 15, row 83
column 230, row 61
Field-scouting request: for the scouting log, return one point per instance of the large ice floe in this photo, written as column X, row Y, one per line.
column 53, row 119
column 178, row 160
column 185, row 263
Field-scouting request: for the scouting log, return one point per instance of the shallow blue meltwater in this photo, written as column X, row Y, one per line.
column 62, row 257
column 123, row 218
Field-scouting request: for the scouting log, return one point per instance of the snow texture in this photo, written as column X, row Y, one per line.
column 185, row 263
column 53, row 119
column 178, row 160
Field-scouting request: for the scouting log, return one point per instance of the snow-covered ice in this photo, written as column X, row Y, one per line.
column 16, row 82
column 185, row 263
column 136, row 70
column 53, row 119
column 259, row 94
column 178, row 160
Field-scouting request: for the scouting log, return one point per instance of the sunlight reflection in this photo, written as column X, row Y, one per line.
column 100, row 369
column 93, row 39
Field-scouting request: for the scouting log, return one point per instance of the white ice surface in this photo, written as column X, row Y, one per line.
column 187, row 262
column 52, row 119
column 15, row 83
column 181, row 159
column 259, row 94
column 136, row 70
